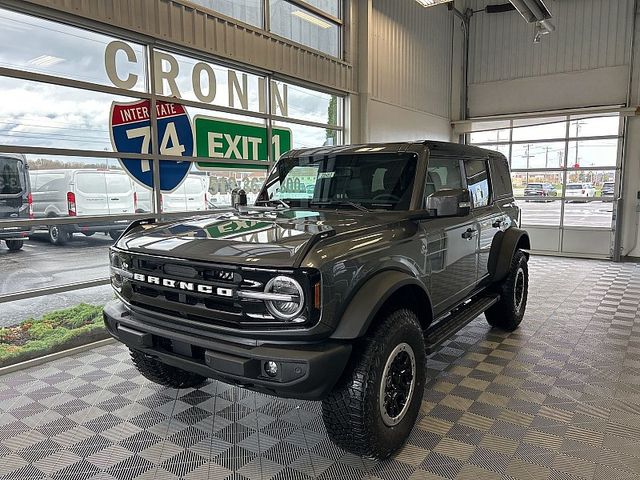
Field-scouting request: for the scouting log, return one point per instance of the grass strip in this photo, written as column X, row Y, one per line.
column 55, row 331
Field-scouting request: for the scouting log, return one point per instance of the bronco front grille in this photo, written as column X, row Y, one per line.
column 196, row 291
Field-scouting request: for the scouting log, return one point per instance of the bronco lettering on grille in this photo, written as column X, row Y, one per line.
column 182, row 285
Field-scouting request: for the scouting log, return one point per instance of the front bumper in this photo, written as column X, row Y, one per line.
column 305, row 371
column 14, row 233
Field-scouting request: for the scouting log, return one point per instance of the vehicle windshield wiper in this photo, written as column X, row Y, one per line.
column 349, row 203
column 274, row 200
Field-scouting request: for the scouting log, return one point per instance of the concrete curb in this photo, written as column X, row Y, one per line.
column 54, row 356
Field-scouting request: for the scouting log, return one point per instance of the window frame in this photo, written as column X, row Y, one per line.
column 337, row 21
column 150, row 45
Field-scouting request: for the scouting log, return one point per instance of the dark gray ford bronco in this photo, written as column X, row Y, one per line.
column 353, row 265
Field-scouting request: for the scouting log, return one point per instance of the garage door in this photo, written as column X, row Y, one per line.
column 565, row 177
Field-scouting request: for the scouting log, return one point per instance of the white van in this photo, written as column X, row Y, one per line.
column 82, row 192
column 191, row 196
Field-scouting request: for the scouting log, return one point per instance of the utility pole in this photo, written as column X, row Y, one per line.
column 546, row 157
column 527, row 154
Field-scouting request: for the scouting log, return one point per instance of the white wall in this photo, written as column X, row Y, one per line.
column 631, row 205
column 585, row 62
column 389, row 123
column 405, row 83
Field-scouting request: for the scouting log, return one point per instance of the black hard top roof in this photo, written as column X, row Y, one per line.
column 454, row 149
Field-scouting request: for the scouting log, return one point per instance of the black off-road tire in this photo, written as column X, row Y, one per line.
column 164, row 374
column 58, row 235
column 14, row 245
column 352, row 412
column 507, row 314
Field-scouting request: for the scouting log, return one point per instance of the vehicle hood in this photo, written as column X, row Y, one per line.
column 278, row 238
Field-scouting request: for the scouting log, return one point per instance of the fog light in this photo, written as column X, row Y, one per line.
column 271, row 368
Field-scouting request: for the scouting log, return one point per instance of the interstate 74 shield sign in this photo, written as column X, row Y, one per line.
column 130, row 128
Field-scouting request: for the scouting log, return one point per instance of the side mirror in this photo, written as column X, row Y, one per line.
column 449, row 203
column 238, row 198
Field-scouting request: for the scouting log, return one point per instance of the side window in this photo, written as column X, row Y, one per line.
column 478, row 182
column 442, row 174
column 501, row 179
column 50, row 183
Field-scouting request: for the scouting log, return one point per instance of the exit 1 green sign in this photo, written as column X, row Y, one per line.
column 223, row 140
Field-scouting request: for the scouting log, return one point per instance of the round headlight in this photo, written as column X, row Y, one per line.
column 288, row 307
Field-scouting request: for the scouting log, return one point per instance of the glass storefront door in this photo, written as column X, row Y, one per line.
column 565, row 178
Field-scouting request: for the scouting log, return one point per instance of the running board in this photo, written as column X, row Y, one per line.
column 442, row 330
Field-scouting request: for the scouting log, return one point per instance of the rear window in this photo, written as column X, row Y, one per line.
column 118, row 184
column 534, row 185
column 193, row 186
column 11, row 176
column 574, row 186
column 91, row 182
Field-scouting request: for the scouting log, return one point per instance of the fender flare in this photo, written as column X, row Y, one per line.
column 503, row 249
column 369, row 299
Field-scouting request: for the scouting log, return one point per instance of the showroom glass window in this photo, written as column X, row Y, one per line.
column 316, row 24
column 563, row 168
column 63, row 129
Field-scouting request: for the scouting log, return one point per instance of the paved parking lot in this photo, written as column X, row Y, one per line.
column 576, row 214
column 41, row 265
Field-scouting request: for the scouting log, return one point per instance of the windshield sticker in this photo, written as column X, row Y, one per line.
column 324, row 175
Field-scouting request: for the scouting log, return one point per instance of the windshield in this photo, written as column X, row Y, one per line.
column 534, row 185
column 11, row 182
column 574, row 186
column 374, row 181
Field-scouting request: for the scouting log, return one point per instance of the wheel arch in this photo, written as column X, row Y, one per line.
column 391, row 289
column 504, row 246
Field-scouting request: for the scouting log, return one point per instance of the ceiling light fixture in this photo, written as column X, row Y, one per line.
column 432, row 3
column 311, row 19
column 45, row 61
column 532, row 10
column 535, row 11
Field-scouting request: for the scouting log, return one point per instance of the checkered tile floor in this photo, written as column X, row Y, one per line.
column 558, row 399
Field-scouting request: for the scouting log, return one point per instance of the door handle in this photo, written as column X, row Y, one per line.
column 497, row 223
column 469, row 234
column 115, row 199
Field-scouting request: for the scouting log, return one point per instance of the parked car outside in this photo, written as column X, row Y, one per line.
column 586, row 190
column 15, row 198
column 191, row 196
column 608, row 191
column 540, row 190
column 82, row 192
column 334, row 293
